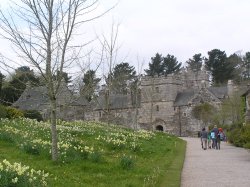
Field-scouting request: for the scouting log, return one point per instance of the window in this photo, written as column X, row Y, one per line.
column 157, row 108
column 184, row 114
column 100, row 114
column 157, row 89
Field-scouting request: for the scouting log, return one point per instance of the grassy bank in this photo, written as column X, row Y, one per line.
column 94, row 154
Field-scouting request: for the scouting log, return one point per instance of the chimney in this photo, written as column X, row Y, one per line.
column 230, row 88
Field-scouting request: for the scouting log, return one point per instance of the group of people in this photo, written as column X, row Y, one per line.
column 211, row 139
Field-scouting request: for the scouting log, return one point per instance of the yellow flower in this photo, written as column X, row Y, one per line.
column 14, row 180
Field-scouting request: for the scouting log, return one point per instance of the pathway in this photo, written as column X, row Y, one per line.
column 228, row 167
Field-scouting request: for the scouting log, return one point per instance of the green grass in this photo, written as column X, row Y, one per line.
column 156, row 161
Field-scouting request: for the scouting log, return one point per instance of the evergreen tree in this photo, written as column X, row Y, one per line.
column 220, row 69
column 1, row 81
column 123, row 75
column 235, row 63
column 64, row 76
column 155, row 67
column 195, row 63
column 246, row 66
column 170, row 65
column 13, row 89
column 90, row 84
column 1, row 86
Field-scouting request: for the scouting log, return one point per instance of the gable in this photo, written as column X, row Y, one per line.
column 219, row 92
column 36, row 98
column 183, row 98
column 32, row 98
column 195, row 96
column 204, row 96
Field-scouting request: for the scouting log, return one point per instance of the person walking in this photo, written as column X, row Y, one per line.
column 216, row 132
column 220, row 137
column 213, row 139
column 218, row 140
column 204, row 136
column 209, row 139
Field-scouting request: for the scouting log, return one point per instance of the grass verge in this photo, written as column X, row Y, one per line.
column 112, row 157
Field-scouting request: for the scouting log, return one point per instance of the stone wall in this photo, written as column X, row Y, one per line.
column 158, row 96
column 160, row 88
column 126, row 117
column 195, row 79
column 151, row 111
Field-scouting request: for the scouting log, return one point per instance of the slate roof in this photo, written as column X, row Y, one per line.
column 244, row 91
column 36, row 98
column 116, row 102
column 33, row 98
column 183, row 98
column 219, row 92
column 80, row 101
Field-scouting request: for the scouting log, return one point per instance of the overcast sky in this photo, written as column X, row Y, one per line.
column 183, row 27
column 178, row 27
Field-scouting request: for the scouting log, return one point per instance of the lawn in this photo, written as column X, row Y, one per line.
column 91, row 154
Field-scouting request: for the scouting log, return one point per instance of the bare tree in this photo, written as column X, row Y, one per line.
column 110, row 50
column 137, row 92
column 41, row 32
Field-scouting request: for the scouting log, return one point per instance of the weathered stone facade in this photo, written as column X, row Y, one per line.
column 159, row 106
column 68, row 107
column 165, row 103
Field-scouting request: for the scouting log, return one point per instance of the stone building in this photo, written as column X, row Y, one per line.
column 120, row 110
column 165, row 103
column 68, row 106
column 246, row 96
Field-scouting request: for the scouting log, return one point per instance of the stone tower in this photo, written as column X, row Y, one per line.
column 195, row 79
column 157, row 98
column 158, row 95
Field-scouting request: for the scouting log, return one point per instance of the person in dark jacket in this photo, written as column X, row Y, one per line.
column 204, row 136
column 216, row 132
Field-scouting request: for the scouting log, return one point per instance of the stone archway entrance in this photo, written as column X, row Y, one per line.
column 159, row 128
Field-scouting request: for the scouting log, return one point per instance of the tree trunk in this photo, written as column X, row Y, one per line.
column 54, row 148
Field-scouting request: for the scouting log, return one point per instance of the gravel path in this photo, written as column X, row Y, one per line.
column 227, row 167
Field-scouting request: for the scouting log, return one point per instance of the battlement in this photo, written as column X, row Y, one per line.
column 159, row 80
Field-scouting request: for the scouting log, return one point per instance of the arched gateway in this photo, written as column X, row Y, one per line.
column 159, row 128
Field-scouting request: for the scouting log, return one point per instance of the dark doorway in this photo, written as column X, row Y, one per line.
column 159, row 128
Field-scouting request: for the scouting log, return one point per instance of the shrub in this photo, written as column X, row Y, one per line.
column 95, row 157
column 246, row 136
column 239, row 135
column 31, row 149
column 70, row 154
column 127, row 162
column 13, row 113
column 234, row 136
column 5, row 136
column 3, row 112
column 33, row 114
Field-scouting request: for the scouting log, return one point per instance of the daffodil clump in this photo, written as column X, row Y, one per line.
column 125, row 139
column 34, row 137
column 17, row 174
